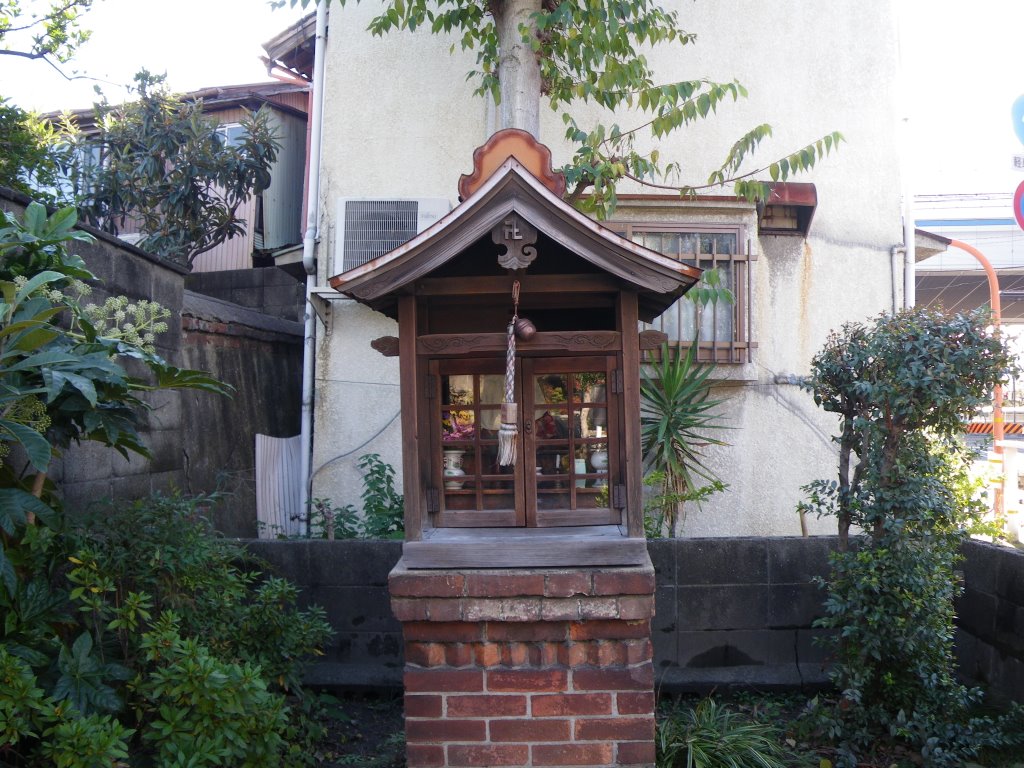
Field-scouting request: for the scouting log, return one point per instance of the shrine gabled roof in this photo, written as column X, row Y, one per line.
column 513, row 189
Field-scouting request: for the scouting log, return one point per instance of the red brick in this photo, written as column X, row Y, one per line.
column 445, row 632
column 599, row 608
column 433, row 731
column 427, row 585
column 425, row 654
column 522, row 609
column 638, row 651
column 611, row 653
column 504, row 584
column 579, row 654
column 442, row 609
column 568, row 704
column 634, row 703
column 409, row 609
column 631, row 679
column 635, row 753
column 609, row 630
column 443, row 680
column 528, row 630
column 487, row 654
column 424, row 756
column 568, row 584
column 628, row 583
column 529, row 730
column 460, row 655
column 486, row 706
column 418, row 705
column 572, row 754
column 491, row 754
column 527, row 680
column 604, row 728
column 552, row 654
column 516, row 654
column 482, row 609
column 636, row 607
column 561, row 609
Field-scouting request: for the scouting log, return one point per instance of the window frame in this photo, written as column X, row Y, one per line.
column 738, row 349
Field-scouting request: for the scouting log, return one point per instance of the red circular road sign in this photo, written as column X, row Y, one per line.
column 1018, row 205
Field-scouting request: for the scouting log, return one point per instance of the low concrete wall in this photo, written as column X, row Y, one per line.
column 730, row 612
column 990, row 618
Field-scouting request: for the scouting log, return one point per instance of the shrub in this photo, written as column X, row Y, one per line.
column 901, row 388
column 201, row 711
column 164, row 548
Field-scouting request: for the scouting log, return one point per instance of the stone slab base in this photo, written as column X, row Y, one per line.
column 549, row 667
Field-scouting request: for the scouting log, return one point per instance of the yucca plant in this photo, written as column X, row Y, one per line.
column 677, row 415
column 711, row 735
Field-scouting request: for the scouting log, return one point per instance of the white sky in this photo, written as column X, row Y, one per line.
column 963, row 63
column 198, row 43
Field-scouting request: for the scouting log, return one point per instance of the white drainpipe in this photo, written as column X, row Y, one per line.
column 309, row 253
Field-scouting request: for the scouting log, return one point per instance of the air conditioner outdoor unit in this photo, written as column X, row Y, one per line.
column 367, row 228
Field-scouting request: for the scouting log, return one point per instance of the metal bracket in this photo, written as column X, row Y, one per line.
column 320, row 299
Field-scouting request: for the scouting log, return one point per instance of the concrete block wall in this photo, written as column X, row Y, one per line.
column 990, row 618
column 729, row 612
column 268, row 289
column 739, row 612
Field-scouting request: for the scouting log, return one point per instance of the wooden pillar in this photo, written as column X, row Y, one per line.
column 527, row 667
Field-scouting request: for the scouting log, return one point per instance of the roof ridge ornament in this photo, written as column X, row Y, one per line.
column 511, row 142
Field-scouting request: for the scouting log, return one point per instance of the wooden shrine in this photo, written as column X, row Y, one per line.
column 574, row 494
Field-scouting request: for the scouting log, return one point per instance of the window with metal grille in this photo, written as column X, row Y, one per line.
column 721, row 331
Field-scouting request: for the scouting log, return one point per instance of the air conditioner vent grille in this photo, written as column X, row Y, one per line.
column 374, row 227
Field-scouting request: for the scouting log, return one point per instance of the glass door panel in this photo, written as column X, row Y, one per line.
column 568, row 441
column 475, row 490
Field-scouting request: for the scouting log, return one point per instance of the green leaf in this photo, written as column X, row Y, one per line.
column 7, row 575
column 36, row 447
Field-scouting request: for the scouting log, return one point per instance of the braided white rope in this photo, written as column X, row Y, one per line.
column 509, row 429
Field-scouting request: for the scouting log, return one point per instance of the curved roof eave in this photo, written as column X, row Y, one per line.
column 513, row 188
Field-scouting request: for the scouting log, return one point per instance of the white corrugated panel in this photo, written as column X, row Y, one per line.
column 235, row 253
column 278, row 486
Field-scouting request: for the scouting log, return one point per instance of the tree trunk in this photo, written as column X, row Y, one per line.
column 518, row 68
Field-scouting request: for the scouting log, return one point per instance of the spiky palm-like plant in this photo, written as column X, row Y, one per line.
column 677, row 413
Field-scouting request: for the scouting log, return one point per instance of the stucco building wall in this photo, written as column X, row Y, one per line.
column 401, row 121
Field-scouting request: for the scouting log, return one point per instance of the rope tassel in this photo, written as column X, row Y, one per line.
column 509, row 430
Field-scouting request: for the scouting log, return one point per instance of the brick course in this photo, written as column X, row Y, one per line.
column 527, row 667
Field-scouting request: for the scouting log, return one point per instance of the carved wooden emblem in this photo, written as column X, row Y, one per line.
column 519, row 239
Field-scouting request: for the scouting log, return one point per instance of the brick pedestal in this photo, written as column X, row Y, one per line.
column 527, row 667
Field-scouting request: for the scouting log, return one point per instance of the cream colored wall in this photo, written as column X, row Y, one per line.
column 400, row 121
